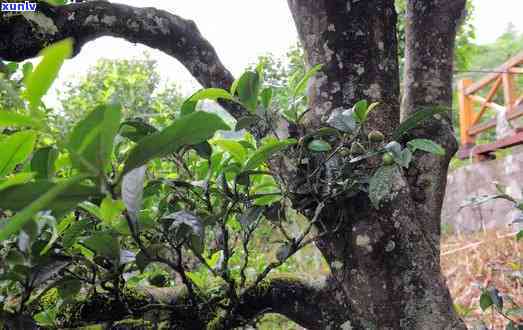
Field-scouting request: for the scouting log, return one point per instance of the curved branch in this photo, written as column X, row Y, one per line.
column 313, row 305
column 22, row 36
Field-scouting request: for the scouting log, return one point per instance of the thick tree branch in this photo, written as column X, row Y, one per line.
column 22, row 36
column 430, row 33
column 311, row 305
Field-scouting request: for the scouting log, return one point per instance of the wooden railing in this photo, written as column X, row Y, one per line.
column 470, row 120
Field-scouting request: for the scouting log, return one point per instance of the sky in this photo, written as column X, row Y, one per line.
column 241, row 30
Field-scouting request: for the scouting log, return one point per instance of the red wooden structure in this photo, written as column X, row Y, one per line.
column 470, row 119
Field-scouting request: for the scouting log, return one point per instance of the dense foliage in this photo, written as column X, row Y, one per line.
column 120, row 204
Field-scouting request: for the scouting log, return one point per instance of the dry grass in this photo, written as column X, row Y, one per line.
column 491, row 258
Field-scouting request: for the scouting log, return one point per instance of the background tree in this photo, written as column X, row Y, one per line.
column 377, row 224
column 135, row 84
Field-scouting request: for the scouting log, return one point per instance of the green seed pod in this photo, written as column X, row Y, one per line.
column 388, row 159
column 376, row 137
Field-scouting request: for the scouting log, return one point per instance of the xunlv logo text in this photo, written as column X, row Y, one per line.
column 19, row 6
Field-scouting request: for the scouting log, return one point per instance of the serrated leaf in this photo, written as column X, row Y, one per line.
column 191, row 129
column 427, row 146
column 415, row 120
column 15, row 149
column 266, row 151
column 40, row 80
column 132, row 191
column 319, row 145
column 189, row 106
column 380, row 184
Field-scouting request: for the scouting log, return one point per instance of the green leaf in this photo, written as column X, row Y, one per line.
column 343, row 120
column 104, row 244
column 248, row 89
column 427, row 146
column 132, row 191
column 91, row 141
column 186, row 223
column 31, row 198
column 319, row 145
column 519, row 235
column 43, row 162
column 214, row 94
column 380, row 184
column 111, row 210
column 404, row 159
column 415, row 120
column 27, row 69
column 136, row 129
column 16, row 198
column 266, row 97
column 12, row 119
column 16, row 179
column 46, row 318
column 203, row 150
column 360, row 110
column 234, row 148
column 266, row 151
column 251, row 216
column 191, row 129
column 485, row 300
column 40, row 80
column 300, row 87
column 68, row 288
column 15, row 149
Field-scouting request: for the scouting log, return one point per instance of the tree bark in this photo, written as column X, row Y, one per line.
column 384, row 262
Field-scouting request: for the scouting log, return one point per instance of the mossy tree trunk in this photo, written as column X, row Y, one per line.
column 384, row 262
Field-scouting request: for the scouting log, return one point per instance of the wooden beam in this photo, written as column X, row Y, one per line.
column 484, row 101
column 484, row 105
column 465, row 113
column 493, row 76
column 476, row 129
column 509, row 91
